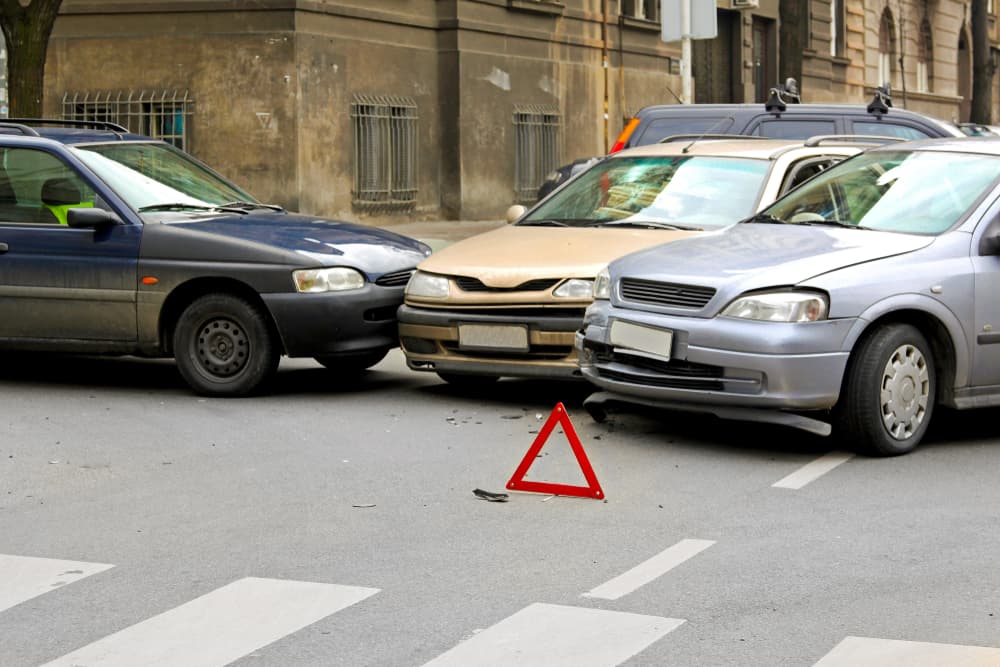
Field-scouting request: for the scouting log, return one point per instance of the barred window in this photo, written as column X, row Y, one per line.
column 537, row 149
column 385, row 152
column 161, row 114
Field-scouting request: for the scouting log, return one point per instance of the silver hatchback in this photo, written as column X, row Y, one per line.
column 852, row 305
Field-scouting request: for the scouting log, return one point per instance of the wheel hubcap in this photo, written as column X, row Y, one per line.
column 905, row 390
column 222, row 347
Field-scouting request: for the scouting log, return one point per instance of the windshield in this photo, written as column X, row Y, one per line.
column 684, row 191
column 152, row 174
column 914, row 192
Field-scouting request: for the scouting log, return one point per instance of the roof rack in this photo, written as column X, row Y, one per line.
column 94, row 124
column 782, row 95
column 20, row 127
column 851, row 139
column 881, row 101
column 686, row 137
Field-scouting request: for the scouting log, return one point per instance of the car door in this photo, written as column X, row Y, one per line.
column 59, row 283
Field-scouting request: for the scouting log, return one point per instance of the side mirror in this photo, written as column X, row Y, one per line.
column 514, row 213
column 91, row 218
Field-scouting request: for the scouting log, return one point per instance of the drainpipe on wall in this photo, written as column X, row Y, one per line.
column 604, row 65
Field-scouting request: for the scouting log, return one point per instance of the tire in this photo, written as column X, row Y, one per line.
column 224, row 346
column 352, row 363
column 889, row 392
column 469, row 381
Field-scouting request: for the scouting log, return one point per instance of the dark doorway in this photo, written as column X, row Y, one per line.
column 715, row 63
column 765, row 71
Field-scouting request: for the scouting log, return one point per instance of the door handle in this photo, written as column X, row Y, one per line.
column 3, row 248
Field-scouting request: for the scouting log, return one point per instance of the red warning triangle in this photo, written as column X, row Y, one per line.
column 518, row 483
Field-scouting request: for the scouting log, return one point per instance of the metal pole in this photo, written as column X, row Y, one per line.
column 686, row 51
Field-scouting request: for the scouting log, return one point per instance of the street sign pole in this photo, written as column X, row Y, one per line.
column 686, row 51
column 684, row 20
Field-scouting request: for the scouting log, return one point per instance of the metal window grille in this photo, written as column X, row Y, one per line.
column 162, row 114
column 385, row 152
column 537, row 150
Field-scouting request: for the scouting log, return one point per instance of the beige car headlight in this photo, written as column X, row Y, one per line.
column 428, row 285
column 779, row 307
column 575, row 288
column 335, row 279
column 602, row 285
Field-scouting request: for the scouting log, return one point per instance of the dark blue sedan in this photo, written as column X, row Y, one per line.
column 116, row 243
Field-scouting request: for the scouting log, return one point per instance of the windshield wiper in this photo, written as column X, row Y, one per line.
column 544, row 223
column 250, row 204
column 182, row 206
column 767, row 219
column 831, row 222
column 647, row 224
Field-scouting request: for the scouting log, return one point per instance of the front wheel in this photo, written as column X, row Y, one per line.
column 889, row 392
column 224, row 346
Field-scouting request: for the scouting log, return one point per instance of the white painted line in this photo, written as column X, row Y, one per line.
column 24, row 577
column 645, row 572
column 855, row 651
column 218, row 627
column 813, row 471
column 548, row 635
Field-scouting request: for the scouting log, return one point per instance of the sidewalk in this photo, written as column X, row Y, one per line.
column 439, row 233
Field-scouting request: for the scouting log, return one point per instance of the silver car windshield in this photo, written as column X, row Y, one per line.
column 149, row 175
column 689, row 192
column 913, row 192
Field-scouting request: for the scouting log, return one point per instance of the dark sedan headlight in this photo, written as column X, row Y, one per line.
column 782, row 306
column 335, row 279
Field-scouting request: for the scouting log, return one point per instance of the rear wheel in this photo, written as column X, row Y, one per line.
column 352, row 363
column 224, row 346
column 889, row 392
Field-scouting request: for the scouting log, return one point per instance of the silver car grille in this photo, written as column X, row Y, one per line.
column 665, row 294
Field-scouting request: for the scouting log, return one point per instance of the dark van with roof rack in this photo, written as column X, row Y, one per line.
column 781, row 117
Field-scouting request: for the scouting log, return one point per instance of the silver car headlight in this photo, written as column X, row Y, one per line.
column 427, row 285
column 779, row 307
column 335, row 279
column 575, row 288
column 602, row 285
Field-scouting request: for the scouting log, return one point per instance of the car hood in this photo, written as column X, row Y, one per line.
column 511, row 255
column 323, row 241
column 758, row 256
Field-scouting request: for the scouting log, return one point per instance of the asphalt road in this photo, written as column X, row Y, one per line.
column 333, row 522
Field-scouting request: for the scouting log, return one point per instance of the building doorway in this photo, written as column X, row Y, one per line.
column 715, row 63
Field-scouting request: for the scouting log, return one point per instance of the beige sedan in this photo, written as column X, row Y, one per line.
column 507, row 303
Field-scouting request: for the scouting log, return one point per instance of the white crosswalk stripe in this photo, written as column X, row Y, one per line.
column 25, row 577
column 547, row 635
column 219, row 627
column 871, row 652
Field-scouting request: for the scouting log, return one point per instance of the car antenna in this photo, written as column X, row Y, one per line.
column 707, row 132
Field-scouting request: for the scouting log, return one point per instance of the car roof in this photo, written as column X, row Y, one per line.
column 984, row 145
column 757, row 149
column 68, row 131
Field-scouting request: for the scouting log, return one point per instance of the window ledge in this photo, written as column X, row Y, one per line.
column 640, row 24
column 550, row 7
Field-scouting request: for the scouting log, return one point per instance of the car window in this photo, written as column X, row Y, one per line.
column 661, row 128
column 887, row 129
column 787, row 128
column 701, row 191
column 36, row 186
column 804, row 169
column 918, row 192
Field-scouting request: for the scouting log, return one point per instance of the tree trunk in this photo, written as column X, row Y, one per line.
column 982, row 66
column 27, row 30
column 792, row 40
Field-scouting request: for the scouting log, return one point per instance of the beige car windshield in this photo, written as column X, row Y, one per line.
column 699, row 191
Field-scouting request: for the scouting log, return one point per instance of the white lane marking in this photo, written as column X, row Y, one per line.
column 871, row 652
column 218, row 627
column 548, row 635
column 647, row 571
column 25, row 577
column 813, row 471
